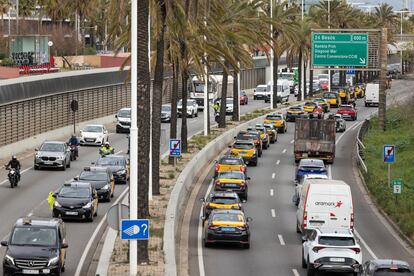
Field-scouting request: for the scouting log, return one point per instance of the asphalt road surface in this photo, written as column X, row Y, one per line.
column 29, row 198
column 275, row 245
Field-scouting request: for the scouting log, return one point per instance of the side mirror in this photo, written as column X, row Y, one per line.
column 65, row 245
column 202, row 199
column 248, row 178
column 249, row 219
column 4, row 243
column 244, row 201
column 229, row 147
column 36, row 149
column 54, row 195
column 116, row 116
column 76, row 178
column 203, row 218
column 92, row 163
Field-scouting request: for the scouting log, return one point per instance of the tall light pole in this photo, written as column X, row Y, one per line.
column 271, row 56
column 401, row 32
column 329, row 26
column 151, row 99
column 205, row 95
column 133, row 182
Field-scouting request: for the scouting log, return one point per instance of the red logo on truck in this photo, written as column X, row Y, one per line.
column 338, row 204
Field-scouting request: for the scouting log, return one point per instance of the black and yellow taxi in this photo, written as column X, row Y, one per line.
column 278, row 121
column 250, row 136
column 118, row 164
column 227, row 226
column 344, row 93
column 76, row 200
column 360, row 90
column 322, row 103
column 295, row 112
column 101, row 179
column 35, row 246
column 272, row 132
column 229, row 162
column 309, row 106
column 262, row 133
column 332, row 98
column 221, row 200
column 247, row 150
column 232, row 181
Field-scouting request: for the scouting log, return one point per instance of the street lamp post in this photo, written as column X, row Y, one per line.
column 272, row 85
column 401, row 32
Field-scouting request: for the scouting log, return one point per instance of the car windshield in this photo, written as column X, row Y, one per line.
column 308, row 168
column 231, row 175
column 295, row 109
column 345, row 107
column 72, row 192
column 287, row 76
column 228, row 217
column 243, row 146
column 274, row 117
column 392, row 272
column 125, row 113
column 260, row 89
column 244, row 136
column 166, row 108
column 310, row 104
column 231, row 161
column 93, row 129
column 337, row 241
column 93, row 175
column 224, row 200
column 229, row 101
column 34, row 236
column 52, row 147
column 329, row 95
column 110, row 161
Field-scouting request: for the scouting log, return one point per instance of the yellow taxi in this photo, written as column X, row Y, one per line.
column 232, row 181
column 344, row 93
column 262, row 133
column 220, row 200
column 227, row 226
column 251, row 136
column 359, row 91
column 247, row 150
column 229, row 163
column 271, row 131
column 332, row 98
column 278, row 122
column 309, row 106
column 295, row 112
column 322, row 103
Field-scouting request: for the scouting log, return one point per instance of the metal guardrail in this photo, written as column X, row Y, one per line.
column 360, row 146
column 42, row 110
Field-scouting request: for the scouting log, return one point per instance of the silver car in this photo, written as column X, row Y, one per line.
column 52, row 154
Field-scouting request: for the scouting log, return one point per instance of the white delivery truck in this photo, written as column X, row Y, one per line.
column 372, row 94
column 283, row 90
column 324, row 203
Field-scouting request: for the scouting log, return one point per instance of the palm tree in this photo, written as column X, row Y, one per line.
column 144, row 83
column 157, row 96
column 4, row 9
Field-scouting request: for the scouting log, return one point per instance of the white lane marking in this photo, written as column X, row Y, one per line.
column 292, row 141
column 365, row 245
column 95, row 233
column 22, row 172
column 277, row 162
column 273, row 213
column 284, row 151
column 340, row 137
column 200, row 237
column 118, row 152
column 273, row 175
column 295, row 272
column 271, row 192
column 30, row 214
column 329, row 171
column 281, row 240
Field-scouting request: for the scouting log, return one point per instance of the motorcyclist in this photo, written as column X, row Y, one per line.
column 15, row 164
column 216, row 107
column 106, row 149
column 73, row 141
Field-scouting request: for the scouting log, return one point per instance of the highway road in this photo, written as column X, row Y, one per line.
column 29, row 198
column 275, row 245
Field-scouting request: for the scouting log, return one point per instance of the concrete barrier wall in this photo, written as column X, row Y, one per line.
column 183, row 187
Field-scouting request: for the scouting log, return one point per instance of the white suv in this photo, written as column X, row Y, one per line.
column 260, row 93
column 192, row 108
column 94, row 135
column 331, row 250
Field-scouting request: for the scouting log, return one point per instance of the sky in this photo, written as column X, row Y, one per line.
column 397, row 4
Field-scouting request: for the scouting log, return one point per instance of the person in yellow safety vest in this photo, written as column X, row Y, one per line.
column 51, row 199
column 106, row 149
column 216, row 106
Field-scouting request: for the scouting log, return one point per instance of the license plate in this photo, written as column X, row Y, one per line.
column 337, row 260
column 72, row 213
column 305, row 155
column 46, row 271
column 242, row 152
column 316, row 223
column 227, row 229
column 231, row 185
column 30, row 271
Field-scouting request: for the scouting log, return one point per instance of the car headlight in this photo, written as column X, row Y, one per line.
column 53, row 261
column 57, row 204
column 88, row 205
column 121, row 172
column 9, row 259
column 60, row 158
column 106, row 187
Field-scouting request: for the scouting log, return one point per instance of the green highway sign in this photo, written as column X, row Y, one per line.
column 397, row 185
column 340, row 49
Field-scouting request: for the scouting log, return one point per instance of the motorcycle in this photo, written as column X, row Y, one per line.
column 13, row 177
column 74, row 152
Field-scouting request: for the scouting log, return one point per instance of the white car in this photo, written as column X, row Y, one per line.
column 260, row 93
column 94, row 135
column 331, row 250
column 192, row 108
column 123, row 120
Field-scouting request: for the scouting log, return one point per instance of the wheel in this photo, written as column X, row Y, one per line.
column 117, row 130
column 36, row 167
column 255, row 164
column 64, row 166
column 254, row 98
column 206, row 244
column 90, row 219
column 246, row 245
column 297, row 228
column 112, row 194
column 96, row 213
column 62, row 269
column 260, row 153
column 304, row 264
column 68, row 165
column 196, row 114
column 245, row 196
column 311, row 270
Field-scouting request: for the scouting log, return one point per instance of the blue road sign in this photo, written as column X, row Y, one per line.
column 175, row 147
column 389, row 153
column 135, row 229
column 351, row 70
